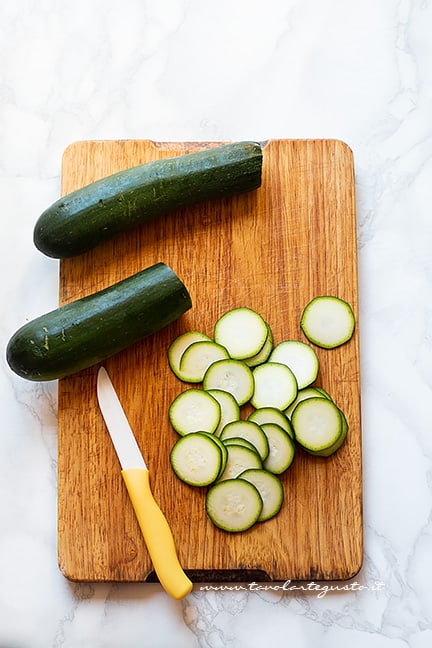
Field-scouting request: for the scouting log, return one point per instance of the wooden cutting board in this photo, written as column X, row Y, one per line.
column 272, row 250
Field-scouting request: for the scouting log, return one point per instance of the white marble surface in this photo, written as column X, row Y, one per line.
column 200, row 70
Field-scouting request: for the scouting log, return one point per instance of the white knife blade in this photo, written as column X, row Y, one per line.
column 123, row 438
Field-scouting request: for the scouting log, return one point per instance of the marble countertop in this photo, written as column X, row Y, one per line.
column 191, row 70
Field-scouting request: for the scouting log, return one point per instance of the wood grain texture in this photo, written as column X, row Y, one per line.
column 272, row 249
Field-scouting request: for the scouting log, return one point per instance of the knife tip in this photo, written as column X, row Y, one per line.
column 102, row 374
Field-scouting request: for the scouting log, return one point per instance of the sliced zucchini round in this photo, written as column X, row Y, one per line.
column 196, row 459
column 328, row 321
column 275, row 386
column 269, row 487
column 239, row 460
column 282, row 449
column 194, row 410
column 222, row 448
column 239, row 441
column 232, row 376
column 263, row 355
column 178, row 347
column 338, row 443
column 271, row 415
column 242, row 332
column 300, row 358
column 303, row 394
column 230, row 410
column 198, row 357
column 233, row 505
column 317, row 424
column 251, row 432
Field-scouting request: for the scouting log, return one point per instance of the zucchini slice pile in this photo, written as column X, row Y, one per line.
column 241, row 460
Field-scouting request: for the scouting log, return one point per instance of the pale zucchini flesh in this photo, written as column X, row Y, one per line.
column 198, row 357
column 303, row 394
column 232, row 376
column 328, row 321
column 240, row 459
column 222, row 448
column 327, row 452
column 271, row 415
column 269, row 487
column 196, row 459
column 240, row 441
column 300, row 358
column 194, row 410
column 251, row 432
column 275, row 386
column 317, row 424
column 242, row 332
column 233, row 505
column 178, row 347
column 281, row 449
column 230, row 410
column 263, row 354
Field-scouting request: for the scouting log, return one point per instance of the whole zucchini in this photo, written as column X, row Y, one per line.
column 86, row 331
column 84, row 218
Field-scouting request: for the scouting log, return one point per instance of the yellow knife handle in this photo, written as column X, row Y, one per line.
column 157, row 534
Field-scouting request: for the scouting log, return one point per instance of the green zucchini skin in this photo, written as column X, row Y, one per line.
column 84, row 218
column 86, row 331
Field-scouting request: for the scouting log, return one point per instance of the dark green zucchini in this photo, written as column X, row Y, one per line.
column 88, row 330
column 84, row 218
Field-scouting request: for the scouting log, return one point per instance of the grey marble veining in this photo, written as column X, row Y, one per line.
column 190, row 70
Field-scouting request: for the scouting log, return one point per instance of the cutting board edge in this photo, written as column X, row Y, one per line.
column 172, row 144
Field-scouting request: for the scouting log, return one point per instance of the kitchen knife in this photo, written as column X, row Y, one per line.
column 154, row 526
